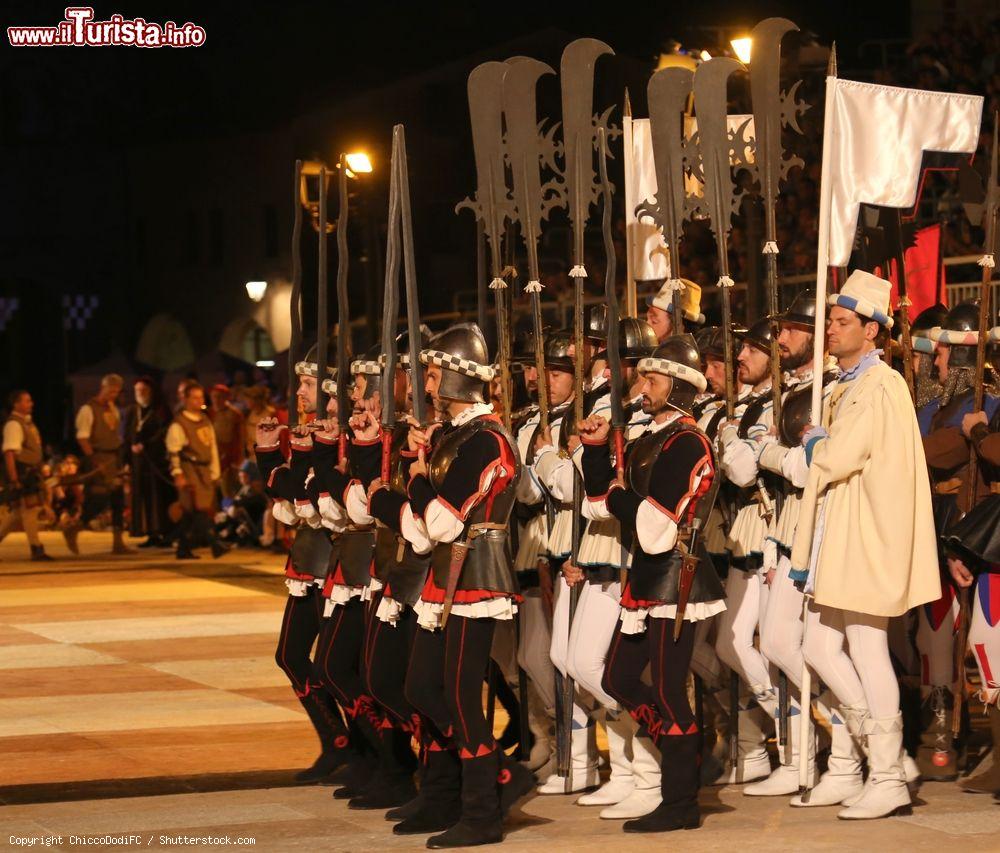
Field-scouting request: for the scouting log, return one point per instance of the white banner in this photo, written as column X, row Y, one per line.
column 875, row 145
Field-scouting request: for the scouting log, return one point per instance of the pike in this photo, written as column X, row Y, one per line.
column 390, row 318
column 986, row 214
column 611, row 295
column 490, row 204
column 770, row 113
column 576, row 70
column 525, row 156
column 894, row 244
column 668, row 91
column 720, row 203
column 323, row 283
column 631, row 301
column 410, row 276
column 295, row 302
column 343, row 309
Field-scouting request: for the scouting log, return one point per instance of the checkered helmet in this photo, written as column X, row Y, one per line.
column 461, row 353
column 308, row 366
column 678, row 358
column 371, row 368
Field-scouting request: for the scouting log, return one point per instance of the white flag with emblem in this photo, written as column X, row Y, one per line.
column 875, row 144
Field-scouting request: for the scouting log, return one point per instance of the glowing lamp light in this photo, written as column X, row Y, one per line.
column 705, row 56
column 256, row 290
column 741, row 47
column 265, row 362
column 358, row 163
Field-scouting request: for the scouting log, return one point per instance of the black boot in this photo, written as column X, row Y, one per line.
column 397, row 764
column 38, row 555
column 363, row 767
column 335, row 749
column 481, row 821
column 679, row 776
column 440, row 802
column 516, row 782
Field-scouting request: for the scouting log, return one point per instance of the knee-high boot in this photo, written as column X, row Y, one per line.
column 886, row 792
column 481, row 821
column 678, row 808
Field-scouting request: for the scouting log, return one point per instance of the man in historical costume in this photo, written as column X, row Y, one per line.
column 660, row 308
column 865, row 536
column 23, row 454
column 305, row 573
column 227, row 421
column 925, row 372
column 633, row 787
column 973, row 554
column 152, row 490
column 354, row 592
column 750, row 494
column 393, row 621
column 669, row 471
column 457, row 507
column 193, row 457
column 98, row 432
column 947, row 451
column 782, row 454
column 554, row 470
column 533, row 513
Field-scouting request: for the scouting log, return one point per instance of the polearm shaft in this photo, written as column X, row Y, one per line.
column 611, row 296
column 410, row 276
column 482, row 285
column 769, row 155
column 390, row 317
column 295, row 303
column 631, row 299
column 498, row 286
column 905, row 338
column 536, row 322
column 343, row 307
column 322, row 317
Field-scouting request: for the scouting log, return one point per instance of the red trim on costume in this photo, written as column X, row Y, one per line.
column 433, row 594
column 322, row 440
column 984, row 663
column 290, row 572
column 377, row 440
column 631, row 603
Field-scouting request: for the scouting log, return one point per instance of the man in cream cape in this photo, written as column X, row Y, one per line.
column 866, row 535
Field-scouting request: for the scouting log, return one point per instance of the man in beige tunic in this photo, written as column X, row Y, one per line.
column 865, row 537
column 194, row 465
column 23, row 455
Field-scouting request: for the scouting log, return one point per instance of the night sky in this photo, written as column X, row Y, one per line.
column 70, row 115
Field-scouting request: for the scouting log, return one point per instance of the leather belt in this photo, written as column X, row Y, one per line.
column 948, row 487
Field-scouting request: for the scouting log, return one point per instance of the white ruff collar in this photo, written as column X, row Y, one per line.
column 476, row 410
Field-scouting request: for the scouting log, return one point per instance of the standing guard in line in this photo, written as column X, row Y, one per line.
column 305, row 573
column 457, row 506
column 670, row 471
column 973, row 549
column 22, row 480
column 947, row 452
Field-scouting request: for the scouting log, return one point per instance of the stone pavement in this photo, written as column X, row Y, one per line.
column 139, row 696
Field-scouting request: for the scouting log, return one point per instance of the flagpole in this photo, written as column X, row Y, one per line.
column 819, row 338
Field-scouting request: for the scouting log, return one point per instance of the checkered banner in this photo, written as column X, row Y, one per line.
column 77, row 310
column 8, row 308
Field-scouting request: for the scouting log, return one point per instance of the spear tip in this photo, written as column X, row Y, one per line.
column 831, row 68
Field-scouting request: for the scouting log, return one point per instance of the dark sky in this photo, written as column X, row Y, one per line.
column 264, row 61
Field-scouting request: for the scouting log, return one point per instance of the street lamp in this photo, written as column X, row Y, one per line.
column 358, row 163
column 742, row 47
column 256, row 290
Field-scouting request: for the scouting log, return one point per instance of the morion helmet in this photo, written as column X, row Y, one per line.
column 960, row 331
column 678, row 358
column 460, row 351
column 308, row 366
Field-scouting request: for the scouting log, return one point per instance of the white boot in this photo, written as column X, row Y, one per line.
column 785, row 778
column 645, row 796
column 753, row 761
column 886, row 793
column 620, row 728
column 843, row 780
column 584, row 763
